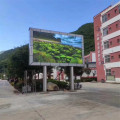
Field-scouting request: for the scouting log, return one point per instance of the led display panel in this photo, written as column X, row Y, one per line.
column 55, row 48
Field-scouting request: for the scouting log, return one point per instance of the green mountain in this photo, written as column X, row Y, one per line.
column 4, row 55
column 1, row 52
column 4, row 58
column 14, row 59
column 87, row 30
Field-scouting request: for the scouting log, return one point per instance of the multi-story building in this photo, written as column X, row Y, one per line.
column 90, row 57
column 107, row 44
column 90, row 62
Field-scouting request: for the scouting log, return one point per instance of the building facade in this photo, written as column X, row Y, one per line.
column 107, row 44
column 90, row 57
column 90, row 62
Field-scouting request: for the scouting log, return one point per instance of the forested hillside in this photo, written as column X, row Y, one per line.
column 15, row 61
column 87, row 30
column 4, row 55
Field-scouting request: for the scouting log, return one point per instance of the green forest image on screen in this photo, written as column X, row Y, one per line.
column 56, row 48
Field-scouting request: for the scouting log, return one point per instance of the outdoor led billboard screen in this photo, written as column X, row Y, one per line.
column 55, row 48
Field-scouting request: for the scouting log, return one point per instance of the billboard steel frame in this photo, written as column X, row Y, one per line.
column 31, row 62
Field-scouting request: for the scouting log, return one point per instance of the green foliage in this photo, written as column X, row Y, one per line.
column 15, row 61
column 39, row 86
column 4, row 59
column 19, row 85
column 18, row 62
column 56, row 53
column 4, row 55
column 60, row 84
column 87, row 30
column 86, row 80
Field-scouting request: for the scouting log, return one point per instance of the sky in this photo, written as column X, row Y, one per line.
column 16, row 16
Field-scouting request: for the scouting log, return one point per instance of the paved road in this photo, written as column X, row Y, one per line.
column 96, row 101
column 6, row 90
column 103, row 93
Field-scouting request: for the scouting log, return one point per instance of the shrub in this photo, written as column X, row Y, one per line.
column 88, row 79
column 39, row 86
column 19, row 85
column 60, row 84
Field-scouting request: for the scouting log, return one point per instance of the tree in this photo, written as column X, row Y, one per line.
column 18, row 62
column 87, row 30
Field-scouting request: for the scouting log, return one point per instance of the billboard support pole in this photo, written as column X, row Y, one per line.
column 44, row 78
column 71, row 78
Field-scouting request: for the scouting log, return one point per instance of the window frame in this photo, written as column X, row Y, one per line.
column 117, row 25
column 119, row 56
column 106, row 44
column 110, row 29
column 118, row 40
column 107, row 58
column 119, row 8
column 115, row 11
column 112, row 57
column 108, row 72
column 113, row 72
column 105, row 31
column 110, row 42
column 108, row 15
column 104, row 18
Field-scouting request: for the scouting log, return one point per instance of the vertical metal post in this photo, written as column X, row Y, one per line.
column 35, row 83
column 38, row 75
column 25, row 80
column 71, row 78
column 32, row 80
column 44, row 78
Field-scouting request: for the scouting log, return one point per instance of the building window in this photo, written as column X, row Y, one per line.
column 109, row 15
column 118, row 40
column 106, row 44
column 98, row 51
column 105, row 31
column 112, row 57
column 115, row 11
column 104, row 18
column 107, row 58
column 119, row 8
column 110, row 29
column 117, row 25
column 110, row 42
column 98, row 29
column 113, row 72
column 108, row 72
column 119, row 56
column 98, row 38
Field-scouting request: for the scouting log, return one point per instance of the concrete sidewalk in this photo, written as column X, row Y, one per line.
column 96, row 101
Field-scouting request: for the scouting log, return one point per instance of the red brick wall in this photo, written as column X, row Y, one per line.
column 114, row 57
column 112, row 12
column 114, row 42
column 98, row 48
column 116, row 72
column 113, row 27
